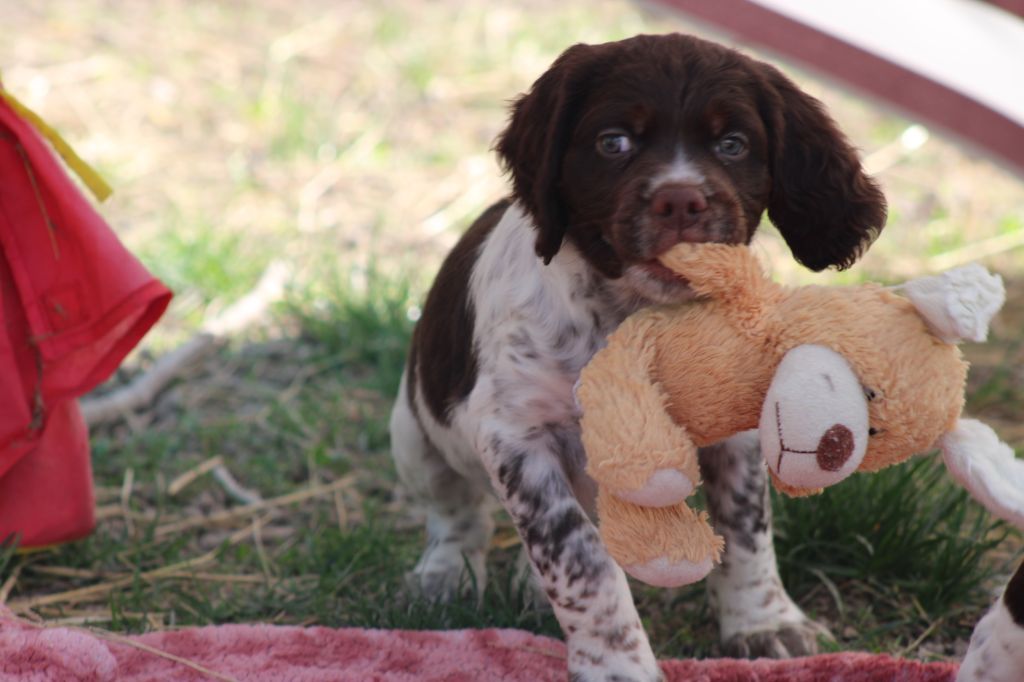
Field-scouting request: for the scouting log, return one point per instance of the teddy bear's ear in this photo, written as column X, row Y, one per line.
column 987, row 468
column 958, row 304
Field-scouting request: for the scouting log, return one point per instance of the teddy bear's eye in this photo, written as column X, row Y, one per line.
column 872, row 431
column 870, row 394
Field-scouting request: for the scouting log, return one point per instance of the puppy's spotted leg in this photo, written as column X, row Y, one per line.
column 459, row 514
column 526, row 579
column 588, row 591
column 755, row 615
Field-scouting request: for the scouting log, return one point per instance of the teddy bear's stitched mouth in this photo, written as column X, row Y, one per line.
column 834, row 449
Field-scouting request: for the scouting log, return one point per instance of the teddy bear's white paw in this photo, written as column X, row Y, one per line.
column 666, row 487
column 661, row 572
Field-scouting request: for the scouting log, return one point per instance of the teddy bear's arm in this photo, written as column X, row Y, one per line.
column 633, row 446
column 665, row 546
column 725, row 272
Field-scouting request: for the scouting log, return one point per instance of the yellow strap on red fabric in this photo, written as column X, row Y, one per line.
column 96, row 184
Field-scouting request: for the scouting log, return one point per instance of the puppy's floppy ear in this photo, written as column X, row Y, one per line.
column 532, row 146
column 827, row 209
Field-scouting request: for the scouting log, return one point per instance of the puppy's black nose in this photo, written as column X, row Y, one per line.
column 676, row 208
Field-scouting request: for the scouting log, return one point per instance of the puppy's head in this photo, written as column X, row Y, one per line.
column 631, row 147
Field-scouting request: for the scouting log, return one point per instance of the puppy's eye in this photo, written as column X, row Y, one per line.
column 870, row 394
column 732, row 146
column 614, row 143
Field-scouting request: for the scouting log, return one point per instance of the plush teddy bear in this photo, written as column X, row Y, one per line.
column 837, row 379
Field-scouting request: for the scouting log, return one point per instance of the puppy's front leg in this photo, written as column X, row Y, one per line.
column 588, row 591
column 756, row 617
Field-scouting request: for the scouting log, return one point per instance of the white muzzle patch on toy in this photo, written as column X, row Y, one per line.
column 814, row 421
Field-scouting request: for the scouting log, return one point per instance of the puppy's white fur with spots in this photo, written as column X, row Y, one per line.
column 996, row 652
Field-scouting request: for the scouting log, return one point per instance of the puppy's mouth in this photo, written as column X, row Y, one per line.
column 659, row 272
column 655, row 283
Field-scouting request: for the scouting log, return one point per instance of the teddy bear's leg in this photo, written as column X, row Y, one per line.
column 661, row 546
column 633, row 446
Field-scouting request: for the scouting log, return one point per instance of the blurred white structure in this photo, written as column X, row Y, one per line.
column 956, row 64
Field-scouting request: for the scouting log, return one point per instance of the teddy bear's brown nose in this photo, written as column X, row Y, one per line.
column 835, row 447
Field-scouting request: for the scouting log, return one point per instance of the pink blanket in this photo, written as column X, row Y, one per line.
column 266, row 652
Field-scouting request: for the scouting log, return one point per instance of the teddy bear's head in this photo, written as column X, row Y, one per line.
column 914, row 385
column 869, row 377
column 836, row 380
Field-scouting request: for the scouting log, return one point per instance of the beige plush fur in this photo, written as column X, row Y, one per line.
column 674, row 379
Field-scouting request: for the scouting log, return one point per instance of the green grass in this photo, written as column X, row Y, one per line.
column 320, row 575
column 359, row 581
column 359, row 318
column 194, row 256
column 908, row 537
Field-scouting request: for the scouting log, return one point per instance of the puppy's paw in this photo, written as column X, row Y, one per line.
column 436, row 586
column 534, row 595
column 780, row 640
column 612, row 666
column 443, row 575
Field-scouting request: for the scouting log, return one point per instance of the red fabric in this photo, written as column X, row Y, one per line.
column 268, row 653
column 73, row 302
column 47, row 496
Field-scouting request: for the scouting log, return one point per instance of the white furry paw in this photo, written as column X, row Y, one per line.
column 760, row 620
column 666, row 487
column 661, row 572
column 596, row 659
column 444, row 573
column 786, row 640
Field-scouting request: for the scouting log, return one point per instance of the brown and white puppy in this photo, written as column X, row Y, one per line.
column 618, row 152
column 996, row 652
